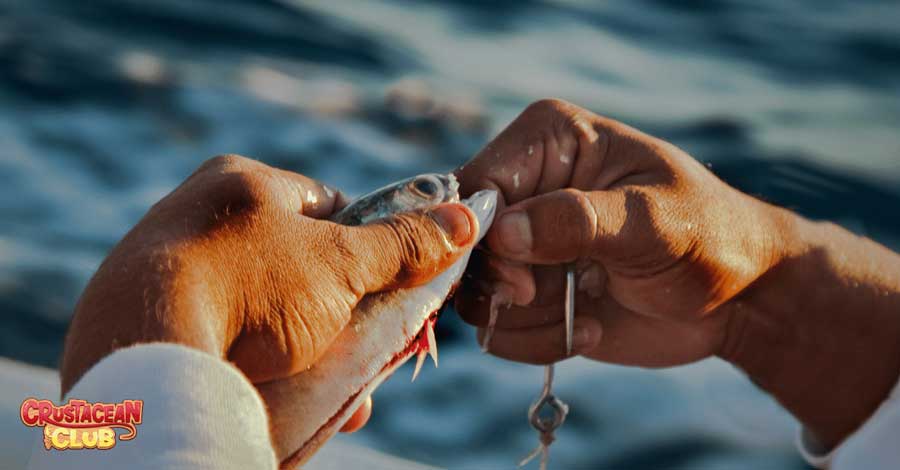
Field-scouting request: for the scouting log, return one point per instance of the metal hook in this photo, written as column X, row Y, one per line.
column 569, row 306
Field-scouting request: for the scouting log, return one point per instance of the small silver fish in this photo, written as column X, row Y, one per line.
column 385, row 330
column 418, row 192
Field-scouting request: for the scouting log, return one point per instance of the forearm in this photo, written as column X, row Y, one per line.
column 821, row 330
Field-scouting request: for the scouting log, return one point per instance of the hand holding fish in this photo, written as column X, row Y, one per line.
column 235, row 262
column 673, row 266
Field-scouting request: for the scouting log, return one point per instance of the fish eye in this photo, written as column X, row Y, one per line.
column 425, row 186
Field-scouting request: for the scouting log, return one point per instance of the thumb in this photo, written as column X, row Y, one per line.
column 560, row 226
column 408, row 249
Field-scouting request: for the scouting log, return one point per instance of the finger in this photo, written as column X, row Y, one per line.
column 272, row 186
column 474, row 307
column 544, row 344
column 590, row 281
column 484, row 272
column 553, row 145
column 515, row 275
column 341, row 201
column 406, row 249
column 569, row 224
column 548, row 307
column 359, row 418
column 536, row 153
column 307, row 196
column 473, row 301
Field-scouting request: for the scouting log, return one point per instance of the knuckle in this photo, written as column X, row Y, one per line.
column 557, row 115
column 566, row 127
column 418, row 247
column 229, row 199
column 234, row 184
column 410, row 247
column 242, row 192
column 225, row 162
column 577, row 214
column 547, row 105
column 580, row 208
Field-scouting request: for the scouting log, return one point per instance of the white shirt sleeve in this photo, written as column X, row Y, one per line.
column 199, row 412
column 874, row 446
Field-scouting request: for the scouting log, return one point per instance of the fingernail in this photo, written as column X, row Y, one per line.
column 514, row 231
column 455, row 223
column 581, row 338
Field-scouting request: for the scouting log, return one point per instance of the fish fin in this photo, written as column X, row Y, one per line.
column 419, row 361
column 432, row 343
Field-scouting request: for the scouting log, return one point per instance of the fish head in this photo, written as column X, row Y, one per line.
column 419, row 192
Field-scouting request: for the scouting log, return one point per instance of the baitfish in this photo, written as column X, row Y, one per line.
column 418, row 192
column 385, row 330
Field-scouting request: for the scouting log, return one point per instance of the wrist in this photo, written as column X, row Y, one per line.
column 820, row 330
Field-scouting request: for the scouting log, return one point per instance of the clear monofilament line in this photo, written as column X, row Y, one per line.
column 539, row 450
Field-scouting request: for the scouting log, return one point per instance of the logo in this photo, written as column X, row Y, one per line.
column 82, row 425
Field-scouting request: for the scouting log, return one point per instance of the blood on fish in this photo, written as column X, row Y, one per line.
column 424, row 344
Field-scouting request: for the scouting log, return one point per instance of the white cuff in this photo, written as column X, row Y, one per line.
column 812, row 450
column 873, row 446
column 199, row 412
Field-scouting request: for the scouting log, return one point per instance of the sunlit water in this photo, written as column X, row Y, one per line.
column 107, row 106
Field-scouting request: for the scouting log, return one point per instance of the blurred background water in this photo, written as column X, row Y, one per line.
column 108, row 104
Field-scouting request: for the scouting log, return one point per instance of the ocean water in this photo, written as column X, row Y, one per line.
column 107, row 105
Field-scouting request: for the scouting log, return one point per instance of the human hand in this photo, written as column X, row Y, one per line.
column 235, row 263
column 658, row 241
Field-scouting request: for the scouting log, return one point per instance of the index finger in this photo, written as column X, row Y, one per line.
column 551, row 145
column 308, row 196
column 554, row 145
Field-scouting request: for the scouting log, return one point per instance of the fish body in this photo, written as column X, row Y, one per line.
column 385, row 330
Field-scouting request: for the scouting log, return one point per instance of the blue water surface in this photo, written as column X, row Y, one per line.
column 108, row 104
